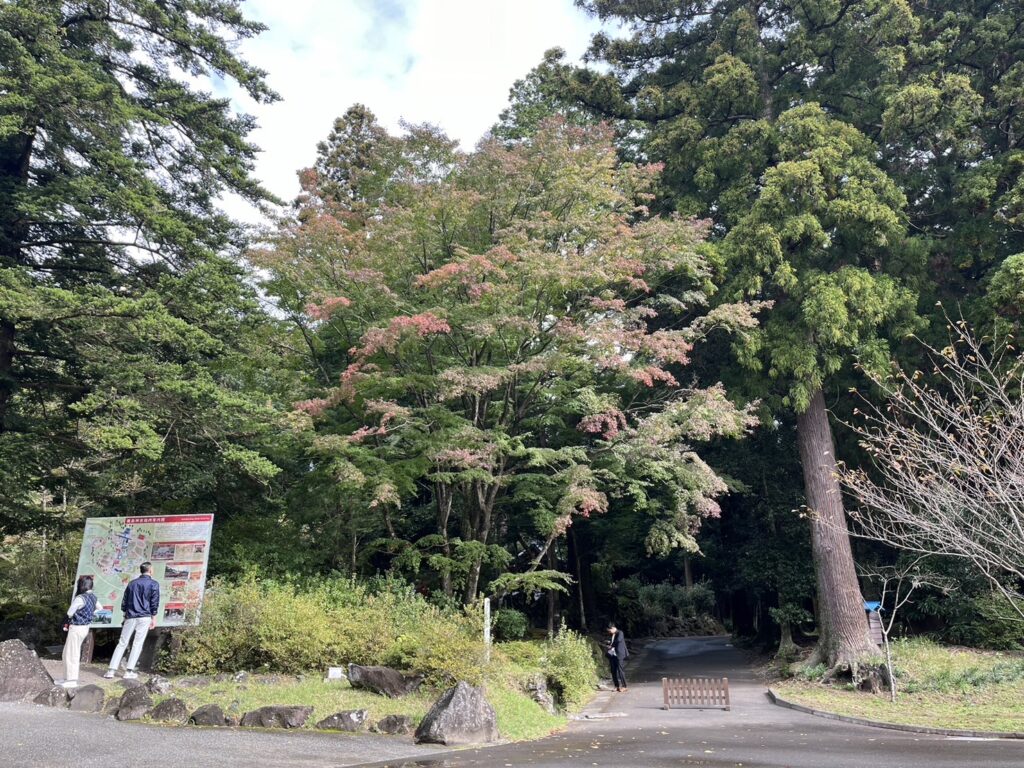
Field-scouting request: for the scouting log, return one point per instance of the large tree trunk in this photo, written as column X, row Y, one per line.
column 843, row 642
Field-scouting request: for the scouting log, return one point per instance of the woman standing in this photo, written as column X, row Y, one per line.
column 617, row 655
column 79, row 617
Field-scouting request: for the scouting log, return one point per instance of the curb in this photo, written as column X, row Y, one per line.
column 781, row 702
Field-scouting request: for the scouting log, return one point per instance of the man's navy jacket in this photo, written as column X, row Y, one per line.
column 141, row 598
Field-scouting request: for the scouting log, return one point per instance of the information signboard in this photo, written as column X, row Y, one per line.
column 178, row 546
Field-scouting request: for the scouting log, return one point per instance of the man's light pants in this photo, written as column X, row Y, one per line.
column 138, row 627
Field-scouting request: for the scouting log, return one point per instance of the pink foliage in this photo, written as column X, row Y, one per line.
column 470, row 273
column 327, row 307
column 608, row 424
column 464, row 458
column 668, row 347
column 651, row 374
column 608, row 305
column 386, row 339
column 590, row 501
column 314, row 407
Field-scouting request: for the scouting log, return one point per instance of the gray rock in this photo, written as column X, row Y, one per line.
column 395, row 725
column 277, row 717
column 240, row 677
column 158, row 685
column 170, row 711
column 129, row 684
column 461, row 716
column 537, row 688
column 22, row 674
column 57, row 696
column 209, row 714
column 349, row 720
column 134, row 704
column 88, row 698
column 112, row 705
column 192, row 682
column 383, row 680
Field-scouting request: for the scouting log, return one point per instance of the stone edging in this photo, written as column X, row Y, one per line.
column 781, row 702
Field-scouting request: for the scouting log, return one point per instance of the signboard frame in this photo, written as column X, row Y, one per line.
column 178, row 546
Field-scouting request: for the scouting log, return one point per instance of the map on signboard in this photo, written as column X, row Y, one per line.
column 178, row 546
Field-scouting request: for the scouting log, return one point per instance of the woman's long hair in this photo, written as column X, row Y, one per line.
column 84, row 585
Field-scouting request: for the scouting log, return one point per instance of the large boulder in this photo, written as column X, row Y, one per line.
column 349, row 720
column 57, row 696
column 158, row 685
column 172, row 710
column 134, row 704
column 209, row 714
column 277, row 717
column 461, row 716
column 22, row 674
column 383, row 680
column 537, row 688
column 88, row 698
column 394, row 725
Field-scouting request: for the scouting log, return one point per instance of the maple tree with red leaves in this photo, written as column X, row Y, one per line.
column 490, row 340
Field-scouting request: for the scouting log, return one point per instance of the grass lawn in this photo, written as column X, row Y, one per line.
column 937, row 687
column 519, row 717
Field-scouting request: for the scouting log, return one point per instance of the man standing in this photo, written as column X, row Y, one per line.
column 617, row 655
column 139, row 606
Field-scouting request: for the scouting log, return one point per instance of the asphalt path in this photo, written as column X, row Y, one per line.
column 627, row 730
column 754, row 734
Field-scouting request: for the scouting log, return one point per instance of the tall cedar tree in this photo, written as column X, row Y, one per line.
column 480, row 328
column 732, row 96
column 117, row 310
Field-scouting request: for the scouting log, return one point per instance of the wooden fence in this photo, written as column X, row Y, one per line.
column 695, row 692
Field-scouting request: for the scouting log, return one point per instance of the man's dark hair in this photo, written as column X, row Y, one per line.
column 146, row 567
column 84, row 585
column 611, row 625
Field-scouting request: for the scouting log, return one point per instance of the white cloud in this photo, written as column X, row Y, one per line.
column 447, row 62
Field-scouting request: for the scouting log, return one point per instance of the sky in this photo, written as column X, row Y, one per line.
column 445, row 62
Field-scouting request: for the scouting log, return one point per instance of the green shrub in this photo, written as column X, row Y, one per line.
column 987, row 622
column 286, row 627
column 817, row 672
column 664, row 608
column 510, row 624
column 570, row 668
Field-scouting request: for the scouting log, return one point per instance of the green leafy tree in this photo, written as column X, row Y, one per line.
column 804, row 215
column 127, row 334
column 485, row 335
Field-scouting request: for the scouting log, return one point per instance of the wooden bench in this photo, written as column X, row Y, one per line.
column 695, row 692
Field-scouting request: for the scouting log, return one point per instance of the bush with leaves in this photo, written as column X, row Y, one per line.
column 510, row 624
column 290, row 627
column 565, row 661
column 664, row 608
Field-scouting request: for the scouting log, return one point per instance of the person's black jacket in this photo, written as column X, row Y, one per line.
column 141, row 598
column 618, row 643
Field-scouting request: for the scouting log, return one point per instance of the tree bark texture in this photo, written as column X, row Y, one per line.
column 843, row 642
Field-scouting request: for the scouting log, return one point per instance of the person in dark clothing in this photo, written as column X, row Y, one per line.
column 617, row 654
column 139, row 607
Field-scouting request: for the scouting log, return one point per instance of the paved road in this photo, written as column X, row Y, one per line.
column 755, row 734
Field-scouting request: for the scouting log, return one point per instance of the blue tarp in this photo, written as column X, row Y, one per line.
column 872, row 605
